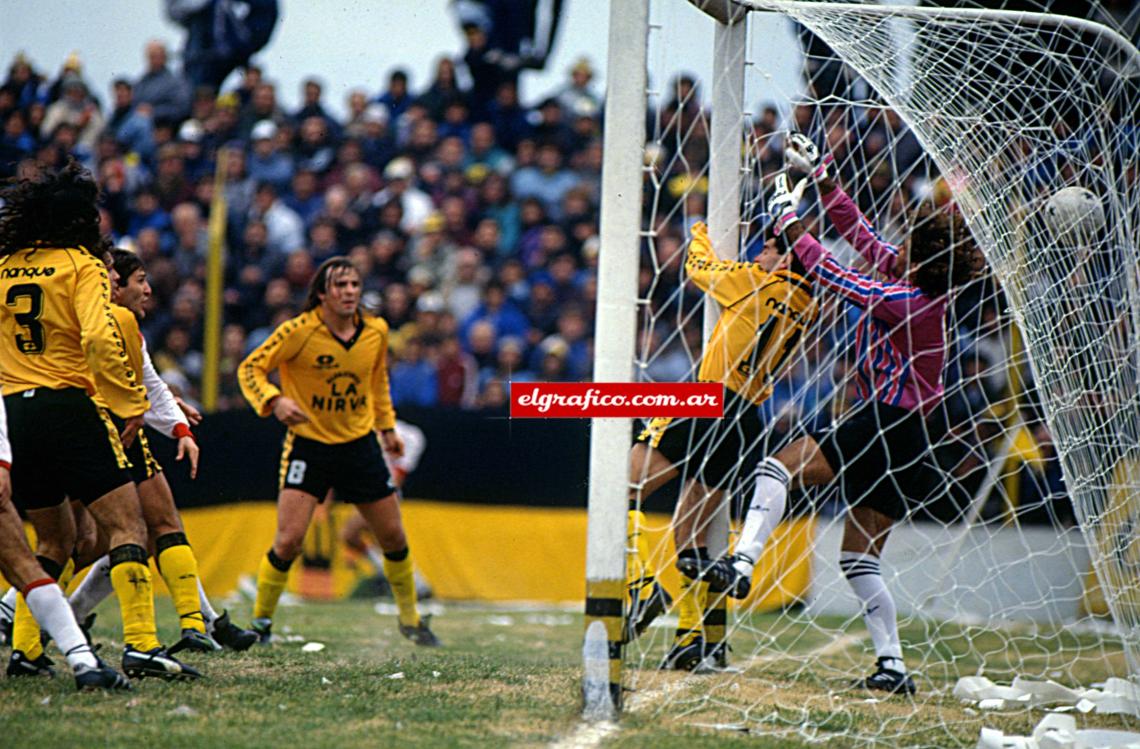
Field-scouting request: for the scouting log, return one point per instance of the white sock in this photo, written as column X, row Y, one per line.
column 8, row 604
column 376, row 557
column 863, row 574
column 94, row 589
column 769, row 499
column 208, row 612
column 49, row 607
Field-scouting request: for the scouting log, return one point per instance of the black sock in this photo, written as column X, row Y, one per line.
column 279, row 563
column 396, row 556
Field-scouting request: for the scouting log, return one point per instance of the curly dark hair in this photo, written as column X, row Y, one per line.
column 53, row 209
column 942, row 250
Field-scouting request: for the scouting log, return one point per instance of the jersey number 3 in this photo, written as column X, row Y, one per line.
column 31, row 341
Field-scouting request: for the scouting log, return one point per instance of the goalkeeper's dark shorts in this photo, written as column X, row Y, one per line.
column 143, row 463
column 881, row 458
column 711, row 451
column 355, row 470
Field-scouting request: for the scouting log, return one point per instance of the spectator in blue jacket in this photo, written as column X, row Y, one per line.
column 166, row 92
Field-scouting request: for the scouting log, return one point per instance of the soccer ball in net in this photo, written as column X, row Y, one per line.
column 1074, row 215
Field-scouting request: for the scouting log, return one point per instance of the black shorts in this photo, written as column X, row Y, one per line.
column 712, row 450
column 881, row 458
column 143, row 463
column 355, row 470
column 63, row 445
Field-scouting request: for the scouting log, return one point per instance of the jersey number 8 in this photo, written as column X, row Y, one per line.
column 296, row 472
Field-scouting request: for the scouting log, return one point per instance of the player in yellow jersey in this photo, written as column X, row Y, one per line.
column 202, row 628
column 56, row 329
column 334, row 398
column 766, row 306
column 43, row 597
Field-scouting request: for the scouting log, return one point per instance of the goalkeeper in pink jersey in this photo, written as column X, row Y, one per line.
column 875, row 454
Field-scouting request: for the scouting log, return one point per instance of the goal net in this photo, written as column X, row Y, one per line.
column 1021, row 560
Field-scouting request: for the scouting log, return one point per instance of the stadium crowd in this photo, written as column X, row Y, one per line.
column 474, row 219
column 472, row 215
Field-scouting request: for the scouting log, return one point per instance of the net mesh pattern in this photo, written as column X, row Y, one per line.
column 1034, row 444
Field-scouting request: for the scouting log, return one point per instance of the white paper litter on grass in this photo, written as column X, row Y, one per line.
column 1117, row 696
column 397, row 675
column 312, row 647
column 1057, row 731
column 183, row 711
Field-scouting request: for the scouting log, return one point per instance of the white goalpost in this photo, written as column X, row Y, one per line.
column 1021, row 565
column 613, row 361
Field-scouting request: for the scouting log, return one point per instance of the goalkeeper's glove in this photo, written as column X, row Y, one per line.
column 783, row 202
column 803, row 156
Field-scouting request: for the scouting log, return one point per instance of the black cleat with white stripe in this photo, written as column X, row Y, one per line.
column 887, row 680
column 138, row 664
column 721, row 575
column 20, row 665
column 229, row 635
column 194, row 640
column 421, row 634
column 100, row 676
column 687, row 657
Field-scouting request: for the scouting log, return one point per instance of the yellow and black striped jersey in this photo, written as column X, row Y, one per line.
column 763, row 318
column 128, row 326
column 341, row 385
column 57, row 328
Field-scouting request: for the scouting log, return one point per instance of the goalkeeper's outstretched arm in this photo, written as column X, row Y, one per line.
column 889, row 302
column 853, row 226
column 859, row 231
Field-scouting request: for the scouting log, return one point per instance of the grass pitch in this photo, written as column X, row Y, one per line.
column 510, row 677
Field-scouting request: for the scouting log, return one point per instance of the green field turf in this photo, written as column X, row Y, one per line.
column 509, row 677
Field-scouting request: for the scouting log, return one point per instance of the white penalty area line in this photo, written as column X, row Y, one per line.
column 587, row 735
column 838, row 645
column 643, row 700
column 591, row 734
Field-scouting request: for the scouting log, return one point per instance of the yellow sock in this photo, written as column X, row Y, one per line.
column 639, row 577
column 67, row 575
column 402, row 578
column 272, row 574
column 25, row 631
column 130, row 577
column 690, row 608
column 179, row 568
column 715, row 618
